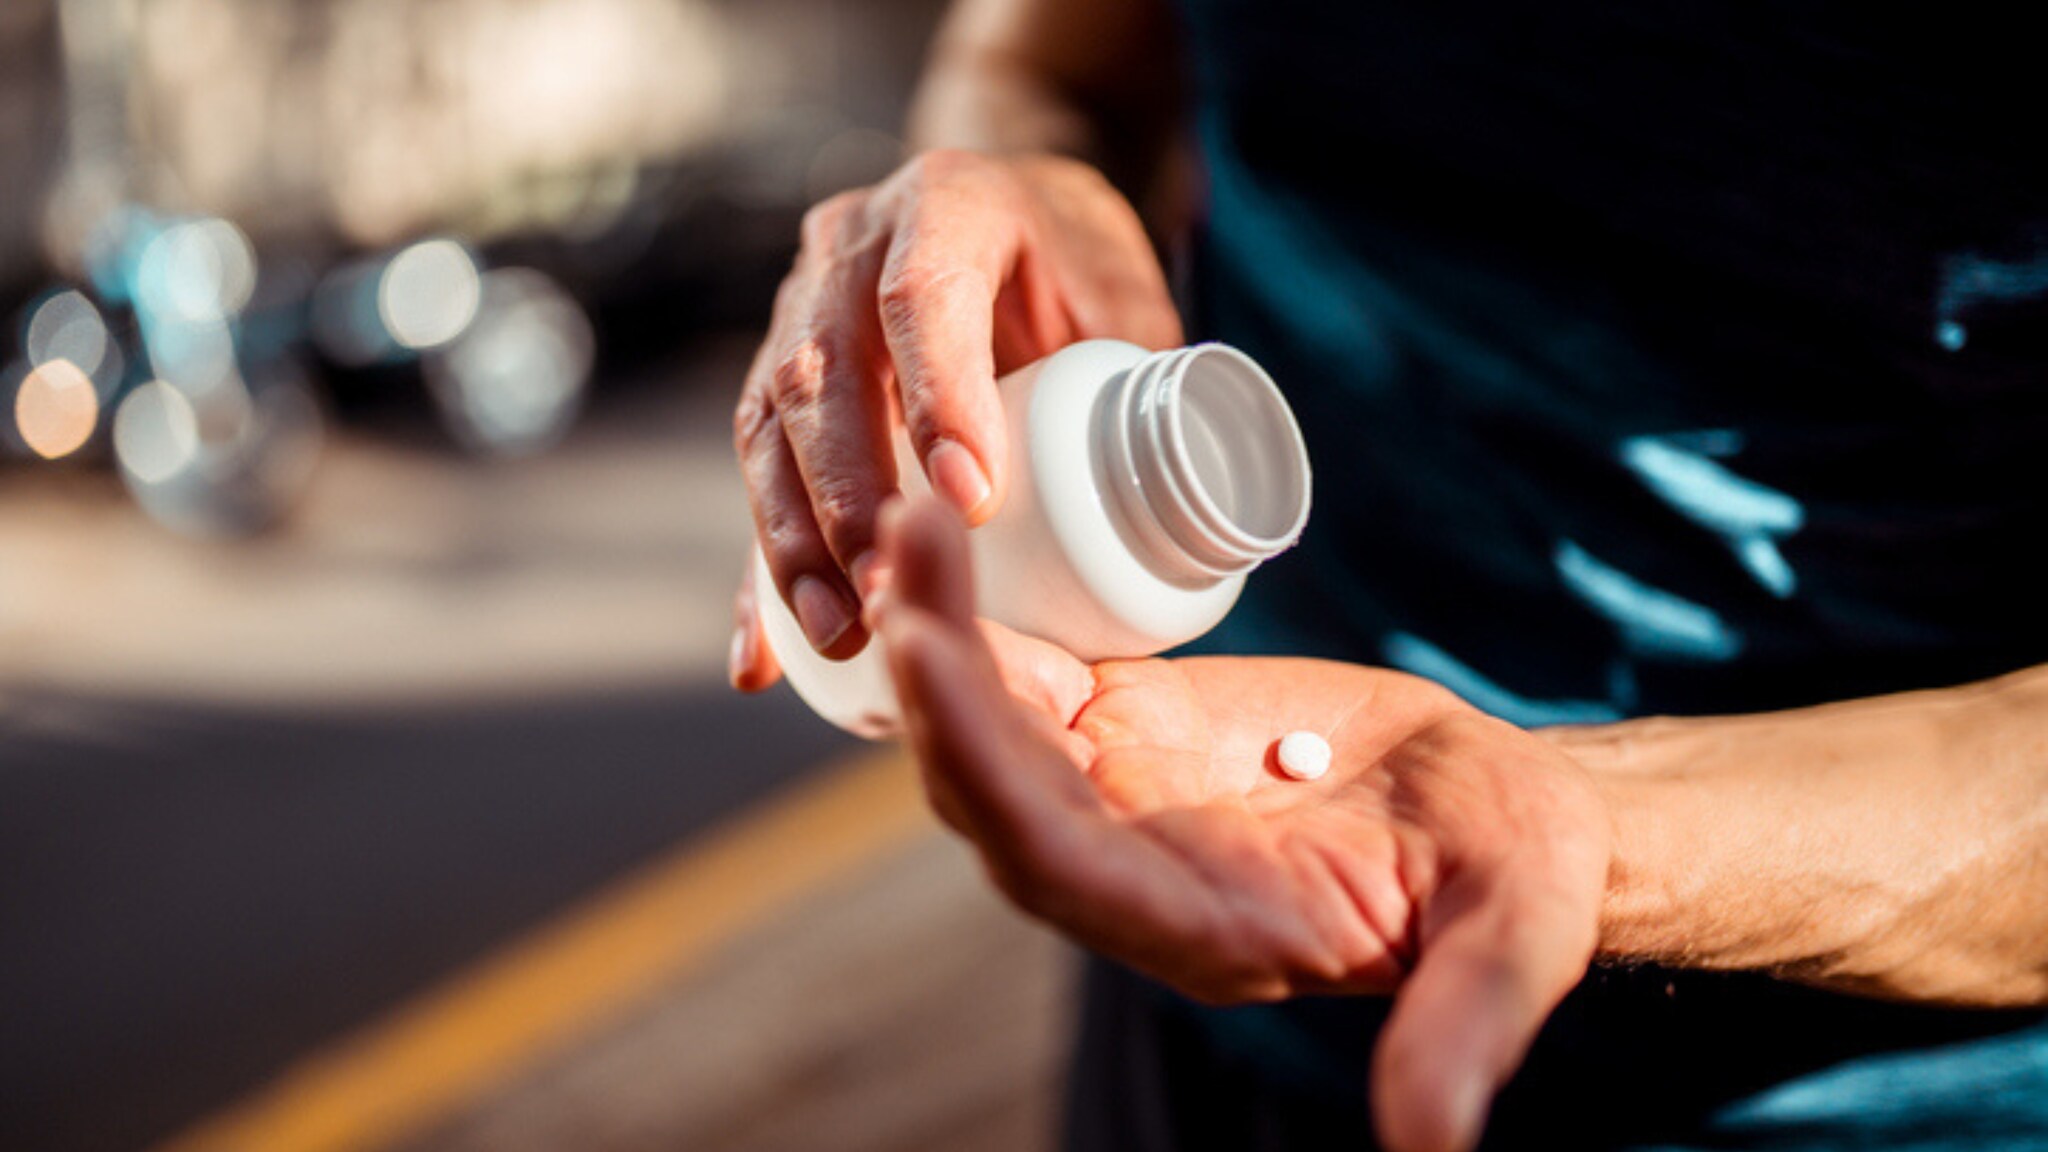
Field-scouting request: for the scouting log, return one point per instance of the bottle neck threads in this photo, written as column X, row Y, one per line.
column 1201, row 459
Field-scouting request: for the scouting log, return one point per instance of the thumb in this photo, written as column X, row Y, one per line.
column 984, row 757
column 1501, row 957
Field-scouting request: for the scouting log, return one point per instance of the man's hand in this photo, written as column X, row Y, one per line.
column 907, row 300
column 1446, row 857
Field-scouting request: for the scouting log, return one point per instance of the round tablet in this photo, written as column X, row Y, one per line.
column 1304, row 755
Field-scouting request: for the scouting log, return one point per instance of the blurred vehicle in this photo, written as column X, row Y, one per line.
column 241, row 220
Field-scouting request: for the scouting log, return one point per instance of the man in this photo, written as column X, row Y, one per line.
column 1654, row 364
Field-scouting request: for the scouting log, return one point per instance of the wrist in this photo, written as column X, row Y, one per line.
column 1639, row 768
column 1646, row 894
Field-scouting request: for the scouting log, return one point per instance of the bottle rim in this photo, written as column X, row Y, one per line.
column 1218, row 395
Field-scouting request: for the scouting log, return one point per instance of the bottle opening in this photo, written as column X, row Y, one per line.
column 1213, row 476
column 1243, row 451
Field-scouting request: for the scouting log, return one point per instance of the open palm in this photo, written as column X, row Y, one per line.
column 1446, row 857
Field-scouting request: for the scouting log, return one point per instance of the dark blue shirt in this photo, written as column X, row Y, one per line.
column 1653, row 358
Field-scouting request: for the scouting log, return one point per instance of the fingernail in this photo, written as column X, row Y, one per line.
column 957, row 475
column 820, row 611
column 868, row 573
column 740, row 656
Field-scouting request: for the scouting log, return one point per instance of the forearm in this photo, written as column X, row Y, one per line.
column 1893, row 847
column 1096, row 80
column 978, row 96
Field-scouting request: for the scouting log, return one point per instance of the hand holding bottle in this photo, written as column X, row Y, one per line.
column 1144, row 488
column 906, row 302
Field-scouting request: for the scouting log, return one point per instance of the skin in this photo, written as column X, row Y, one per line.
column 907, row 301
column 1447, row 858
column 1892, row 847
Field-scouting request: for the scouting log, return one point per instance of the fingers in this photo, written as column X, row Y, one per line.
column 964, row 704
column 1018, row 797
column 936, row 300
column 926, row 552
column 750, row 664
column 1048, row 679
column 894, row 284
column 1044, row 835
column 812, row 428
column 794, row 549
column 995, row 769
column 919, row 284
column 996, row 777
column 1503, row 954
column 828, row 383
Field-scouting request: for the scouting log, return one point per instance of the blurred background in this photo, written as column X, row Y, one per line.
column 367, row 531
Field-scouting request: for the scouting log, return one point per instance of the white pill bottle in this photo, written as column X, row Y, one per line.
column 1145, row 486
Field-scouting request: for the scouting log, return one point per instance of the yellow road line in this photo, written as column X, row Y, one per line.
column 450, row 1045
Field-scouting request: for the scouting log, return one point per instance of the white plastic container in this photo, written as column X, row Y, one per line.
column 1145, row 487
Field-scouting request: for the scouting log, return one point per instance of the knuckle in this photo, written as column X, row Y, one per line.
column 843, row 506
column 907, row 290
column 799, row 374
column 823, row 220
column 750, row 418
column 786, row 539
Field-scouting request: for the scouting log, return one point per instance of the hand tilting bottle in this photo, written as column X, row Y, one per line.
column 1146, row 486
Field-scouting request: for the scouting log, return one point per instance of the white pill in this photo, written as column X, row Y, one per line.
column 1304, row 755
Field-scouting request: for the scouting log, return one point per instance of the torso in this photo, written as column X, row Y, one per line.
column 1653, row 358
column 1650, row 362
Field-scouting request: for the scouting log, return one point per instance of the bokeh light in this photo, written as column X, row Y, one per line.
column 66, row 326
column 429, row 293
column 56, row 409
column 156, row 434
column 196, row 356
column 196, row 270
column 514, row 381
column 112, row 248
column 190, row 281
column 229, row 471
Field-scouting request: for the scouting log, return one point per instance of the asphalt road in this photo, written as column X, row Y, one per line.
column 191, row 896
column 251, row 796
